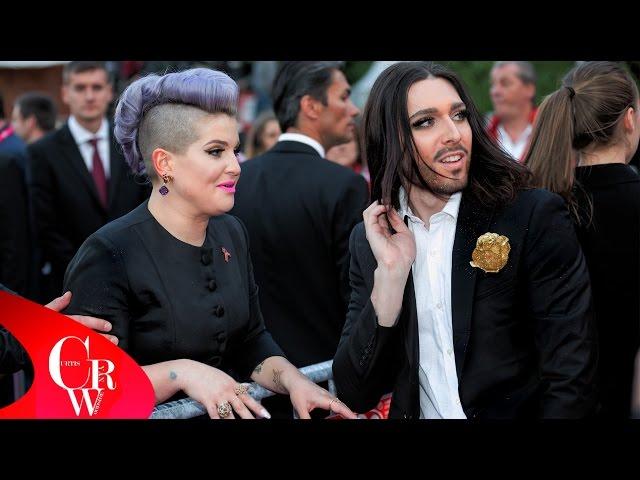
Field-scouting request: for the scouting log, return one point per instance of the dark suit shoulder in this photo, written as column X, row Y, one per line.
column 308, row 162
column 7, row 160
column 335, row 173
column 535, row 200
column 51, row 139
column 359, row 234
column 358, row 243
column 534, row 196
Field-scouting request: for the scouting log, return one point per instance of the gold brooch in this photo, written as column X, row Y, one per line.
column 491, row 252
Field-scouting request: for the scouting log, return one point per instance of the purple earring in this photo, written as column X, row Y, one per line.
column 163, row 189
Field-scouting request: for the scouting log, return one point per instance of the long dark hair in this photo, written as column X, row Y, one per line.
column 390, row 151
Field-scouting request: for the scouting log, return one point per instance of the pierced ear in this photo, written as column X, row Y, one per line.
column 310, row 107
column 162, row 162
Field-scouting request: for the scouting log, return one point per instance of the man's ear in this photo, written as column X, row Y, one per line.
column 32, row 123
column 310, row 107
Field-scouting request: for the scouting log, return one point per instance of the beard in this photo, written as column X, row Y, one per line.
column 439, row 184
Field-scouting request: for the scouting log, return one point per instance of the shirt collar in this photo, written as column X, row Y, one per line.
column 451, row 208
column 299, row 137
column 524, row 136
column 81, row 135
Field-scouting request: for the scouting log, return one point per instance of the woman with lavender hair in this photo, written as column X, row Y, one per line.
column 174, row 276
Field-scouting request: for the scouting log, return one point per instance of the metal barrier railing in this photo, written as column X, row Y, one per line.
column 189, row 408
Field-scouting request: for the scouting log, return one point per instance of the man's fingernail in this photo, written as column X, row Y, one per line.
column 107, row 326
column 265, row 414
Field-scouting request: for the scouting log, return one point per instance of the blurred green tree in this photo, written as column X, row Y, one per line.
column 475, row 75
column 355, row 70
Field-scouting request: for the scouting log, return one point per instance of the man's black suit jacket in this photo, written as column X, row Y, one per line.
column 14, row 226
column 12, row 356
column 523, row 337
column 299, row 210
column 65, row 200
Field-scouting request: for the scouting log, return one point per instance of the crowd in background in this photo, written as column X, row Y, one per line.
column 61, row 182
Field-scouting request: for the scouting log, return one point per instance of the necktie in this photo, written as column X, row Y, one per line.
column 97, row 172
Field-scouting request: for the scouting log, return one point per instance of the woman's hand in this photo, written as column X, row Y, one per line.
column 306, row 396
column 280, row 376
column 218, row 392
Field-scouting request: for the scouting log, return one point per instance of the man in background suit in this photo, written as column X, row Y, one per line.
column 79, row 180
column 34, row 115
column 10, row 141
column 14, row 226
column 299, row 209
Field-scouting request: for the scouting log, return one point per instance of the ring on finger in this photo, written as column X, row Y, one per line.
column 241, row 389
column 224, row 409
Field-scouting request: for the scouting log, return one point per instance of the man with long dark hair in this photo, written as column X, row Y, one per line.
column 470, row 294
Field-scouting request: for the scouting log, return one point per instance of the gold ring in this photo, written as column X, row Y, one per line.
column 241, row 389
column 224, row 409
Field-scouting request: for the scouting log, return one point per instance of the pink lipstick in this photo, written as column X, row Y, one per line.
column 229, row 187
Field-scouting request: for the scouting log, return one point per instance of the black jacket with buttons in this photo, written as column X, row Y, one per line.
column 523, row 337
column 168, row 299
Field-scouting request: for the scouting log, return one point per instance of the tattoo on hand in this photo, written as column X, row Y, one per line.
column 258, row 369
column 277, row 382
column 173, row 375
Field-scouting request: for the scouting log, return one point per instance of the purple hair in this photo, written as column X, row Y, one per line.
column 206, row 89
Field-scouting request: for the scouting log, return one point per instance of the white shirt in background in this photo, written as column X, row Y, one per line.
column 82, row 136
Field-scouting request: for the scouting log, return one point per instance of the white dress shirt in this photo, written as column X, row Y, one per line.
column 82, row 136
column 299, row 137
column 439, row 397
column 515, row 148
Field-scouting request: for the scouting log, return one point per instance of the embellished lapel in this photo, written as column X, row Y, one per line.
column 473, row 221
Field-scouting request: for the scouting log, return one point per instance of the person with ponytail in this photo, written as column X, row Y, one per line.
column 174, row 277
column 586, row 133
